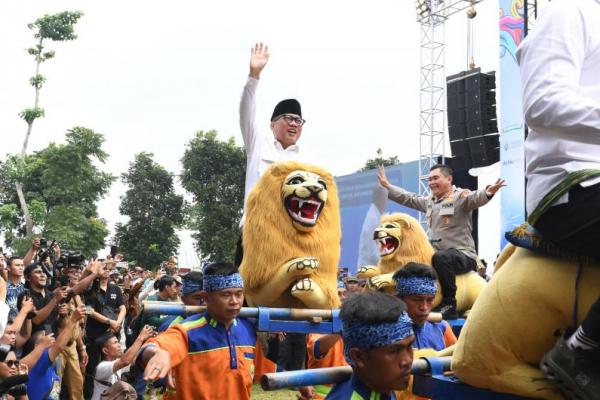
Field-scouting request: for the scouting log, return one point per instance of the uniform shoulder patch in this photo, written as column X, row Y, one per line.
column 464, row 193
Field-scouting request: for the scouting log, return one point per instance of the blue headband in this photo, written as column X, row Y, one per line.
column 189, row 286
column 415, row 285
column 369, row 336
column 214, row 283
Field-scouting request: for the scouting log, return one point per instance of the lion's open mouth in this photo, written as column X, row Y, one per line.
column 387, row 245
column 304, row 211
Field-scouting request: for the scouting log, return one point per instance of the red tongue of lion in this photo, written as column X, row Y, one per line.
column 308, row 210
column 389, row 243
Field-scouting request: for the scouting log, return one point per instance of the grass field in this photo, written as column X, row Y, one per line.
column 284, row 394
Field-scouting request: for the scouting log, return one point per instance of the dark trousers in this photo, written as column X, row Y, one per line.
column 447, row 264
column 575, row 226
column 292, row 352
column 239, row 252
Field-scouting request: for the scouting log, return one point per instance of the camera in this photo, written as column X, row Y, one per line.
column 68, row 259
column 45, row 250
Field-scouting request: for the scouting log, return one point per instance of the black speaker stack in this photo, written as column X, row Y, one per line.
column 472, row 123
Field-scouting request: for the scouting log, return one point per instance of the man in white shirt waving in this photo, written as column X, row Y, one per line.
column 561, row 101
column 264, row 148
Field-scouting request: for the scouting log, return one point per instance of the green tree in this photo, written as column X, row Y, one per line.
column 214, row 173
column 62, row 184
column 154, row 213
column 59, row 28
column 374, row 163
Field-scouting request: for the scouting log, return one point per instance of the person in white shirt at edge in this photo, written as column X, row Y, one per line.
column 114, row 362
column 560, row 74
column 263, row 149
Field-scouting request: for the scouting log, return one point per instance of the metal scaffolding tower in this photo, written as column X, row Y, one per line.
column 432, row 14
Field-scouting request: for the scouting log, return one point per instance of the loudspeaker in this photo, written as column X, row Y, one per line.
column 484, row 150
column 471, row 104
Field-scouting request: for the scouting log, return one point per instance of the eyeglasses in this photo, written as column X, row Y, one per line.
column 290, row 118
column 13, row 363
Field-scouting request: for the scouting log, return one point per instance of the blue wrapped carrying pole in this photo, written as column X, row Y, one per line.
column 292, row 314
column 327, row 376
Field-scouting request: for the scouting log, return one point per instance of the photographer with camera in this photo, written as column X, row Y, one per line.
column 40, row 249
column 107, row 315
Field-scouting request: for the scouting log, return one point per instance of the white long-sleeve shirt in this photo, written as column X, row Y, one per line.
column 560, row 76
column 262, row 149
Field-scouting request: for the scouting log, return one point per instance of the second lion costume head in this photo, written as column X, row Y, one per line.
column 292, row 238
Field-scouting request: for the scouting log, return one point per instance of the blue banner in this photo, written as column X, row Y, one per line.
column 512, row 127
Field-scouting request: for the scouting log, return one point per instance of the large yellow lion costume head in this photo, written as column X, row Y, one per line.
column 401, row 239
column 292, row 238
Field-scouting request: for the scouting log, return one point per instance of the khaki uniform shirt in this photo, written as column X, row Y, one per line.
column 449, row 218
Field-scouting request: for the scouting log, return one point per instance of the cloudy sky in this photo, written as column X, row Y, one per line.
column 148, row 74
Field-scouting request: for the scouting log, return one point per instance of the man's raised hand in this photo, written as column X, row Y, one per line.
column 383, row 181
column 259, row 57
column 492, row 189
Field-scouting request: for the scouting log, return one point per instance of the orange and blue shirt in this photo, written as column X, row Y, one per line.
column 209, row 361
column 354, row 389
column 316, row 359
column 433, row 335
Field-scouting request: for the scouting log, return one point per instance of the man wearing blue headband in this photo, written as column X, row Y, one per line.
column 211, row 354
column 416, row 287
column 378, row 338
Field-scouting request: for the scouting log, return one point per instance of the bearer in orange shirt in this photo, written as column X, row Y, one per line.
column 211, row 353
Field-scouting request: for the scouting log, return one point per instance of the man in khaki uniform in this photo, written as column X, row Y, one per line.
column 449, row 216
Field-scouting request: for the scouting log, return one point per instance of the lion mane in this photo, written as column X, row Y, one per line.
column 270, row 238
column 414, row 246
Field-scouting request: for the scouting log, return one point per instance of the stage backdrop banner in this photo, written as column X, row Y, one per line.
column 512, row 127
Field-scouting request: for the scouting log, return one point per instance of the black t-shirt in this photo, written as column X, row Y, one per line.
column 40, row 301
column 106, row 303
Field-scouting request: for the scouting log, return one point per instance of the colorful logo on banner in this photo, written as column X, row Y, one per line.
column 512, row 129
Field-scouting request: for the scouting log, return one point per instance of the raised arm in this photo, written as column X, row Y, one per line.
column 43, row 313
column 129, row 357
column 259, row 56
column 66, row 332
column 401, row 196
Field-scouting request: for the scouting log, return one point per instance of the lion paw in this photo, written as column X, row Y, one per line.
column 380, row 282
column 310, row 293
column 302, row 265
column 367, row 271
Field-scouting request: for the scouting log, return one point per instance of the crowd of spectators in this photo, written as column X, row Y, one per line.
column 66, row 320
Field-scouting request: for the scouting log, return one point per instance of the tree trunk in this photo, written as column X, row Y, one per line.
column 18, row 185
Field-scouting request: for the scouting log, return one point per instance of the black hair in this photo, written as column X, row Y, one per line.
column 194, row 276
column 220, row 268
column 163, row 282
column 11, row 259
column 100, row 342
column 415, row 269
column 445, row 169
column 30, row 268
column 372, row 308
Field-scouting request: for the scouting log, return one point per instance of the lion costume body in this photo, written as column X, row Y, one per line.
column 291, row 238
column 514, row 321
column 401, row 240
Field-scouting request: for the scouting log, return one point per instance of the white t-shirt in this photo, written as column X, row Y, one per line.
column 104, row 372
column 561, row 95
